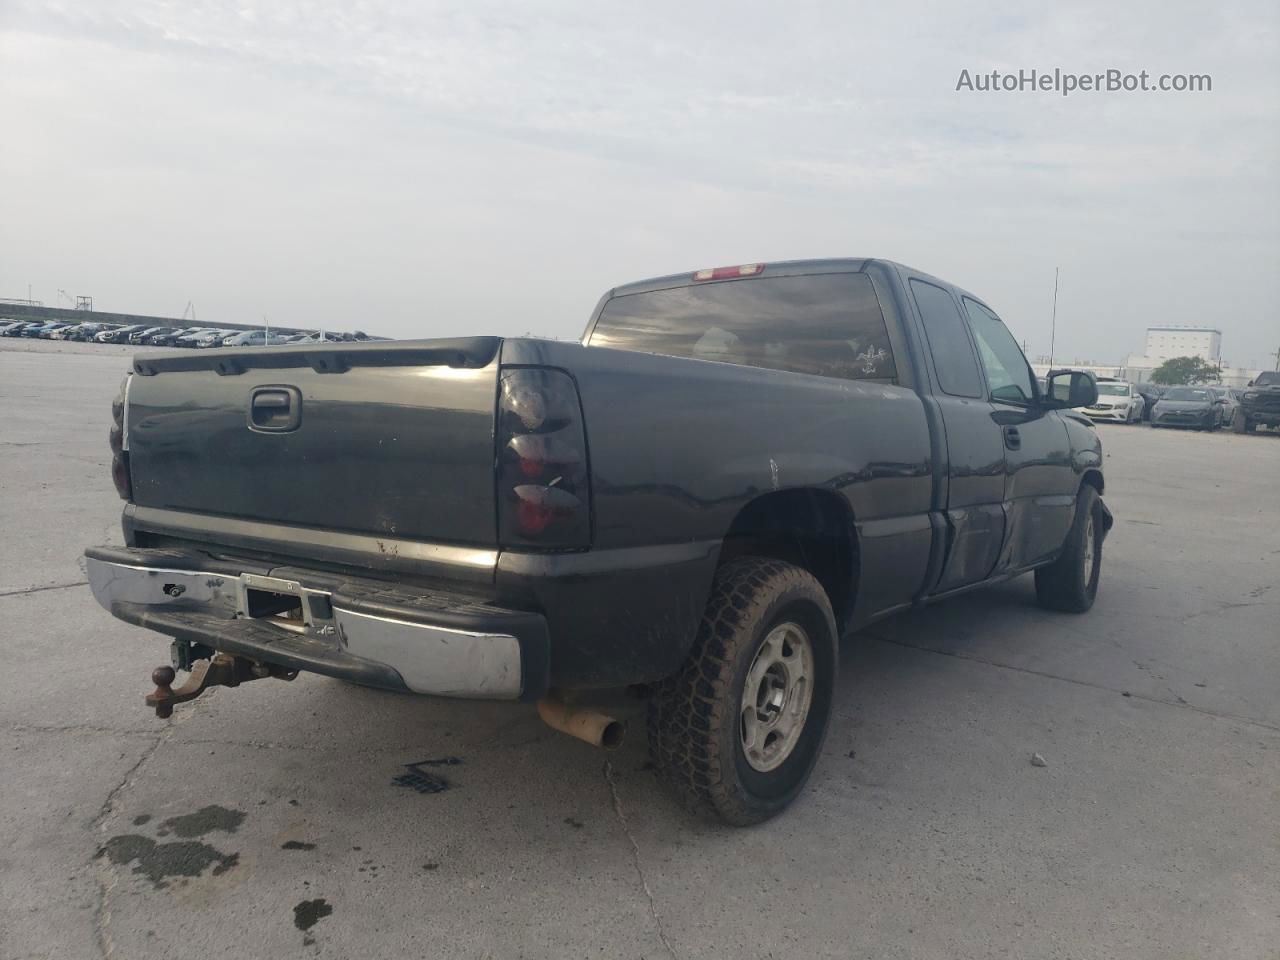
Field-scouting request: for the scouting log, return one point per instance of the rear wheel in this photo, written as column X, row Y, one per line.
column 1240, row 423
column 1070, row 583
column 738, row 730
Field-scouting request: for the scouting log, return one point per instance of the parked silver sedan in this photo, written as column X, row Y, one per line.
column 1227, row 402
column 1194, row 407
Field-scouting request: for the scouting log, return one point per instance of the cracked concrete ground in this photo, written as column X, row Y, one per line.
column 266, row 820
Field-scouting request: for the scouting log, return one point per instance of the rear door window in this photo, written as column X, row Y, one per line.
column 830, row 325
column 949, row 343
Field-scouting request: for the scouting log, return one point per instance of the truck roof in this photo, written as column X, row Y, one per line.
column 772, row 268
column 791, row 268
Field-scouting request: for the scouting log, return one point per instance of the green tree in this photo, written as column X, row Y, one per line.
column 1182, row 370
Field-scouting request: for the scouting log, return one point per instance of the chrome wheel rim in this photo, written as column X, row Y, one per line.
column 776, row 697
column 1089, row 549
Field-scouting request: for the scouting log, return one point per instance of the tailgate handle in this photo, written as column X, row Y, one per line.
column 275, row 409
column 271, row 398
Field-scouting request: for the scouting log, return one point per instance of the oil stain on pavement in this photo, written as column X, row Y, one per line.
column 159, row 862
column 205, row 820
column 310, row 912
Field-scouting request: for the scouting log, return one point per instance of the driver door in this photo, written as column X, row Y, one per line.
column 1039, row 482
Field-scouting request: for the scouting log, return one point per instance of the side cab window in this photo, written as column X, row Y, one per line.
column 949, row 345
column 1008, row 373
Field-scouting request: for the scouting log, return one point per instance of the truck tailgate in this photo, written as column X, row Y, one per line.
column 391, row 438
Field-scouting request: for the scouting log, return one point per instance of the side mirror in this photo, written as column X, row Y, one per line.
column 1070, row 388
column 1250, row 383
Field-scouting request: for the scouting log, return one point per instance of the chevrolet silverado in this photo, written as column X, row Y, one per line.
column 730, row 472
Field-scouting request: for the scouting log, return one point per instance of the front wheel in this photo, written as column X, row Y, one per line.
column 738, row 730
column 1070, row 583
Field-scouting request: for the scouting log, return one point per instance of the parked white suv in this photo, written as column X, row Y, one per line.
column 1117, row 400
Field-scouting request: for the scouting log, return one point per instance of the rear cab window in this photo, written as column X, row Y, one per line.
column 828, row 325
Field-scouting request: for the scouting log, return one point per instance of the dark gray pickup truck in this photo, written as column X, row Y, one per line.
column 731, row 471
column 1259, row 404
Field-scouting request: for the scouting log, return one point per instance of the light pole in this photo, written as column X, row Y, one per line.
column 1053, row 321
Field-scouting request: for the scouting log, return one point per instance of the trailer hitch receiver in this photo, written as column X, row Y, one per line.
column 221, row 670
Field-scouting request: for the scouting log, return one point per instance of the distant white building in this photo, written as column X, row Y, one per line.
column 1166, row 343
column 1163, row 343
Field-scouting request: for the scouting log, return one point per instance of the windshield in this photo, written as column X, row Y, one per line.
column 1113, row 390
column 1267, row 379
column 1189, row 393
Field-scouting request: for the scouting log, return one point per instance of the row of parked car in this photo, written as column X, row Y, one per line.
column 1198, row 407
column 144, row 335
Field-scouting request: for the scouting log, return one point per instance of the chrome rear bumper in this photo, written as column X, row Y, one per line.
column 372, row 632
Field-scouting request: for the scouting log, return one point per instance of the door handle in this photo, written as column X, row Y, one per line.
column 271, row 399
column 1012, row 439
column 275, row 409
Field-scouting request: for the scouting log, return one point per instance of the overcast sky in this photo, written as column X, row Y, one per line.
column 424, row 169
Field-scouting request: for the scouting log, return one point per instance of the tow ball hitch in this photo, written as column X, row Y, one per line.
column 220, row 670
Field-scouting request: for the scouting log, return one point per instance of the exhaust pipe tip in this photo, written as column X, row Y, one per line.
column 612, row 735
column 590, row 726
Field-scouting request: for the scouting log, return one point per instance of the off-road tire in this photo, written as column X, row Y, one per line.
column 695, row 717
column 1064, row 585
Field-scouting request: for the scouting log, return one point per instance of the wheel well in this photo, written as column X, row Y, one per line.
column 812, row 529
column 1094, row 479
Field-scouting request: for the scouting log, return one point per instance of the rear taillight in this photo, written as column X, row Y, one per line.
column 543, row 495
column 118, row 438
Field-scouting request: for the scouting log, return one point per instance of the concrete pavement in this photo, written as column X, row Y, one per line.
column 319, row 819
